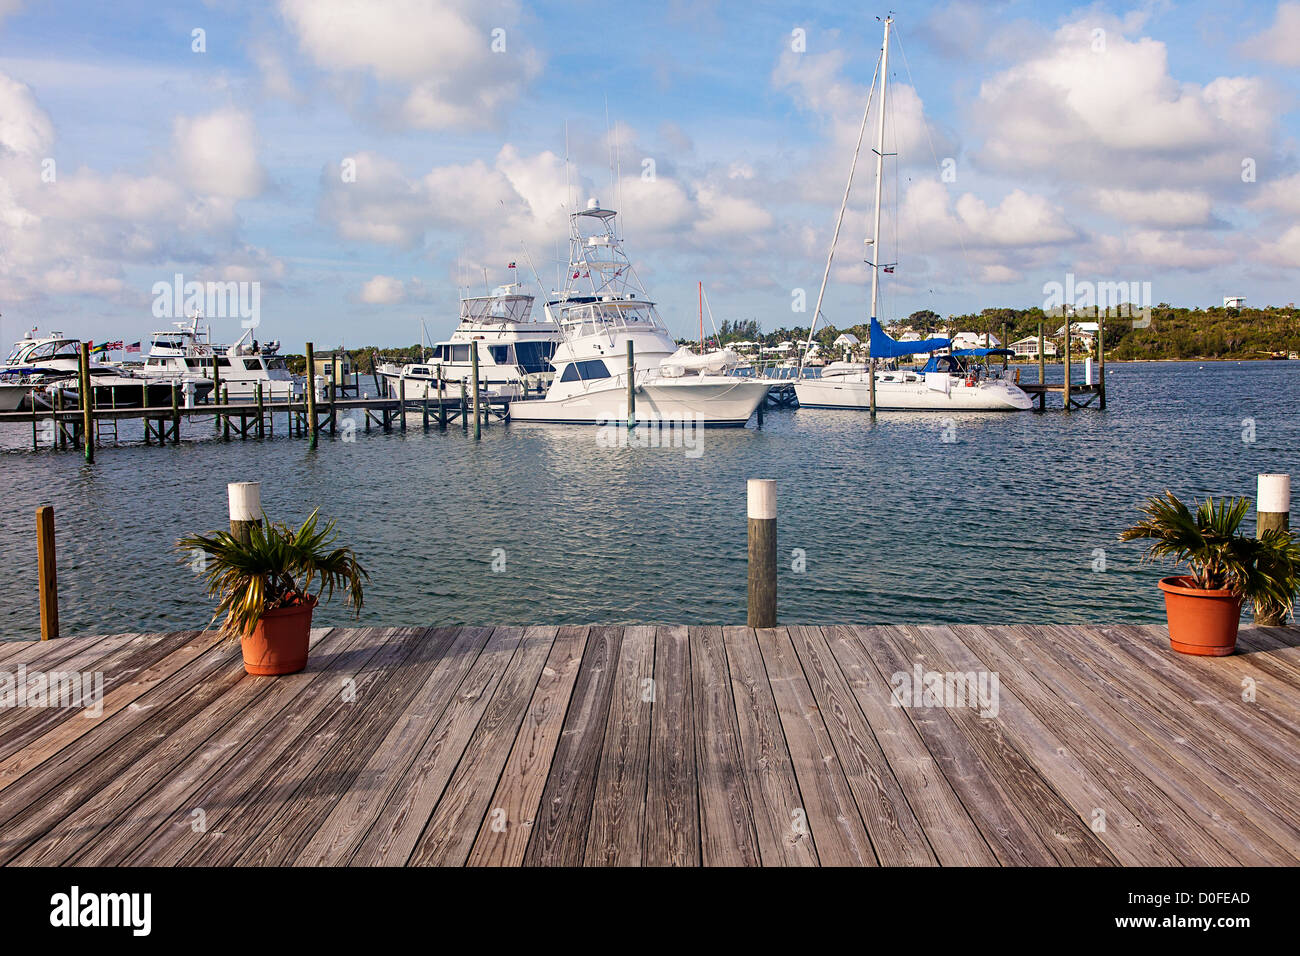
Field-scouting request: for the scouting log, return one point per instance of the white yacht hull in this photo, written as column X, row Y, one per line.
column 916, row 395
column 12, row 397
column 719, row 401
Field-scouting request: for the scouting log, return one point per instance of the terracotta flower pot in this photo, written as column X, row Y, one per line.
column 1201, row 622
column 278, row 644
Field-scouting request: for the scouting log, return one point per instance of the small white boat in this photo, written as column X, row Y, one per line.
column 602, row 310
column 187, row 353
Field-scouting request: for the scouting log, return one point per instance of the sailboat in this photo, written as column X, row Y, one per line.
column 952, row 382
column 600, row 312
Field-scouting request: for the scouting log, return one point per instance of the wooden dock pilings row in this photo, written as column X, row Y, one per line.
column 256, row 419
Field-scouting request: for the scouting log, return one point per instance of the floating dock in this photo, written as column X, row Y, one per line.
column 612, row 745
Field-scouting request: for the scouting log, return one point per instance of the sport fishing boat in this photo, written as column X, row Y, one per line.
column 603, row 310
column 187, row 352
column 946, row 383
column 51, row 363
column 514, row 351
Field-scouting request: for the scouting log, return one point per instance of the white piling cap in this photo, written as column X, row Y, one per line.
column 1274, row 496
column 762, row 498
column 245, row 500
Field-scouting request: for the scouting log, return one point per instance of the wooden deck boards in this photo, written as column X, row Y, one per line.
column 660, row 746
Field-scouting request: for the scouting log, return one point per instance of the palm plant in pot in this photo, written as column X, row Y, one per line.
column 1226, row 569
column 265, row 587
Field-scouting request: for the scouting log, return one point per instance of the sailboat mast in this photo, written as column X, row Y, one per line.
column 880, row 170
column 701, row 316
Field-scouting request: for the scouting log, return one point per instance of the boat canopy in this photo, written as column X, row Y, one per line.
column 882, row 346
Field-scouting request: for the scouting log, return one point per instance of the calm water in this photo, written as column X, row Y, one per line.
column 1000, row 524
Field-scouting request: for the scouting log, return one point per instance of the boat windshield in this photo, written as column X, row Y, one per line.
column 606, row 315
column 496, row 308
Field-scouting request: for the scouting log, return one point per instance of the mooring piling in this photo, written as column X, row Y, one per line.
column 245, row 498
column 311, row 396
column 631, row 384
column 47, row 572
column 761, row 496
column 1272, row 513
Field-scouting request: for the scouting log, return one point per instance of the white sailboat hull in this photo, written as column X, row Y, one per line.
column 916, row 395
column 716, row 401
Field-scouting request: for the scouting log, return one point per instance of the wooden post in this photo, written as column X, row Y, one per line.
column 464, row 408
column 1272, row 513
column 36, row 445
column 47, row 572
column 761, row 493
column 442, row 404
column 225, row 419
column 245, row 499
column 56, row 401
column 401, row 404
column 1066, row 406
column 176, row 413
column 1042, row 358
column 260, row 411
column 473, row 366
column 216, row 387
column 631, row 384
column 87, row 406
column 311, row 396
column 1101, row 359
column 1005, row 358
column 871, row 383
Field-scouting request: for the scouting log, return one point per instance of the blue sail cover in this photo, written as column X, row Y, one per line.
column 882, row 346
column 979, row 353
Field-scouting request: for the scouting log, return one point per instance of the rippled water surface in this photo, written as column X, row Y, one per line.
column 1001, row 524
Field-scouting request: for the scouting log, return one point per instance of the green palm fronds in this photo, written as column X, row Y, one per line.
column 276, row 568
column 1264, row 570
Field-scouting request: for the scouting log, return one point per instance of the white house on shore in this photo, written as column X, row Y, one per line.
column 1234, row 301
column 1028, row 347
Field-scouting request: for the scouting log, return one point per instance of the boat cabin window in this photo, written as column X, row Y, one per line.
column 419, row 371
column 584, row 371
column 276, row 364
column 501, row 354
column 534, row 356
column 459, row 353
column 253, row 365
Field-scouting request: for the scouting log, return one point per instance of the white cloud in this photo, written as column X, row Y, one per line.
column 1278, row 196
column 1280, row 43
column 438, row 55
column 24, row 126
column 218, row 154
column 383, row 290
column 1158, row 249
column 1157, row 207
column 1107, row 110
column 1283, row 251
column 1020, row 219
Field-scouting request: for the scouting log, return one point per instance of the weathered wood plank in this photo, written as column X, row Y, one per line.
column 135, row 804
column 503, row 838
column 1149, row 745
column 560, row 834
column 952, row 834
column 672, row 824
column 350, row 737
column 727, row 832
column 832, row 813
column 351, row 817
column 1083, row 791
column 449, row 834
column 780, row 817
column 618, row 807
column 401, row 820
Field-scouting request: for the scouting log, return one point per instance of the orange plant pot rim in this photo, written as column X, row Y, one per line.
column 1183, row 584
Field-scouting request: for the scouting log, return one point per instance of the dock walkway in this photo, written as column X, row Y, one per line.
column 666, row 745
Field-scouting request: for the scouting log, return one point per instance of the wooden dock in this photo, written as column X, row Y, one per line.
column 676, row 745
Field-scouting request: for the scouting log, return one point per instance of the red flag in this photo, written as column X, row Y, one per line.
column 575, row 275
column 889, row 268
column 511, row 266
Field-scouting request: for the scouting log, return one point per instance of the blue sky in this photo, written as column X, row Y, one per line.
column 1106, row 141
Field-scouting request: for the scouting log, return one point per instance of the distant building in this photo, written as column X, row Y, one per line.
column 1234, row 301
column 974, row 340
column 1028, row 347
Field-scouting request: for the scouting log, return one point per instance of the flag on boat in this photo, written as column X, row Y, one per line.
column 511, row 266
column 133, row 347
column 889, row 268
column 575, row 275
